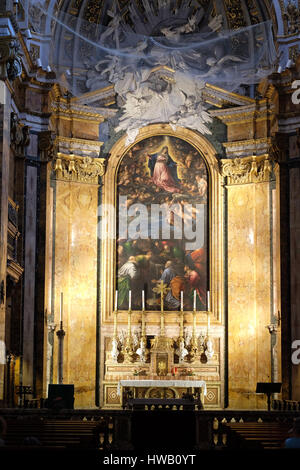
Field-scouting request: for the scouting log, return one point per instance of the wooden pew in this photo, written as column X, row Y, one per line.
column 54, row 432
column 259, row 435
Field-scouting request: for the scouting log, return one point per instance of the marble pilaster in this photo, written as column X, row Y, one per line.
column 4, row 181
column 29, row 275
column 294, row 267
column 75, row 260
column 249, row 267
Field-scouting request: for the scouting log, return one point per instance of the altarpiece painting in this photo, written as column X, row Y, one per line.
column 162, row 188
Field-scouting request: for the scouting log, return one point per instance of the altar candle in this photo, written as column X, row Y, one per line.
column 208, row 301
column 115, row 324
column 116, row 301
column 61, row 307
column 194, row 300
column 181, row 300
column 129, row 305
column 143, row 299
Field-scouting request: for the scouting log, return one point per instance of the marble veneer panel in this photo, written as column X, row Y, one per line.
column 29, row 275
column 295, row 275
column 76, row 276
column 248, row 292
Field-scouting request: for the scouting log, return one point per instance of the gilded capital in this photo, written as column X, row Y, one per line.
column 10, row 58
column 80, row 169
column 247, row 170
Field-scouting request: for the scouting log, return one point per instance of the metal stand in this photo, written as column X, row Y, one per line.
column 60, row 334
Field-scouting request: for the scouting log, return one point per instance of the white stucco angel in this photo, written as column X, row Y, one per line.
column 223, row 65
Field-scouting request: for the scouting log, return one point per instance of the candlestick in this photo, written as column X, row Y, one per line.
column 60, row 356
column 208, row 301
column 181, row 324
column 116, row 301
column 129, row 323
column 194, row 322
column 143, row 323
column 129, row 305
column 115, row 324
column 194, row 300
column 143, row 300
column 208, row 322
column 61, row 307
column 181, row 300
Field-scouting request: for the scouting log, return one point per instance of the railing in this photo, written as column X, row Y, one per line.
column 219, row 433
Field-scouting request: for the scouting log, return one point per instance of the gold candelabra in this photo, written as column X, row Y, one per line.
column 128, row 348
column 194, row 342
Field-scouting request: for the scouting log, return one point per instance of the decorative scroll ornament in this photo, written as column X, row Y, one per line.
column 19, row 136
column 83, row 169
column 47, row 145
column 10, row 58
column 242, row 171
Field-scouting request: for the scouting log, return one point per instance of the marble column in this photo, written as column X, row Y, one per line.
column 5, row 100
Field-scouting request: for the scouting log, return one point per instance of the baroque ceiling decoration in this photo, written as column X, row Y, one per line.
column 159, row 54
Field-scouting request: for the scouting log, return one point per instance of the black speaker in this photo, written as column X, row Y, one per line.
column 60, row 396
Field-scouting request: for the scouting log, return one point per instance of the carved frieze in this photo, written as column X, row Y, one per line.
column 10, row 58
column 80, row 169
column 245, row 170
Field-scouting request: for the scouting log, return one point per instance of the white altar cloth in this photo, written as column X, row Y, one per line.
column 162, row 383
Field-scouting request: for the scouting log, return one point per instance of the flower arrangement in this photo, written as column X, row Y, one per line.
column 188, row 372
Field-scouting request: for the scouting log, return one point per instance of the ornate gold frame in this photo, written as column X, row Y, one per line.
column 108, row 246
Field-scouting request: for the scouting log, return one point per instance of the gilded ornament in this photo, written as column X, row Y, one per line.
column 82, row 169
column 245, row 170
column 10, row 58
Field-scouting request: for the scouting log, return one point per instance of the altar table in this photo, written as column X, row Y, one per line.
column 192, row 384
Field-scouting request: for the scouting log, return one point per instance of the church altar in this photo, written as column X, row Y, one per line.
column 127, row 388
column 163, row 383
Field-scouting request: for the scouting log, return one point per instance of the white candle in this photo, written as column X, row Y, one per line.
column 143, row 299
column 194, row 300
column 61, row 306
column 208, row 301
column 129, row 305
column 116, row 301
column 181, row 300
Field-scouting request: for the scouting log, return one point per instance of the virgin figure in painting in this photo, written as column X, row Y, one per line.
column 168, row 173
column 164, row 171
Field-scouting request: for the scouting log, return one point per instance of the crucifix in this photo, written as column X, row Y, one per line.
column 161, row 289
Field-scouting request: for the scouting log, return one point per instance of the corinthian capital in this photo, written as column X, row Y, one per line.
column 10, row 59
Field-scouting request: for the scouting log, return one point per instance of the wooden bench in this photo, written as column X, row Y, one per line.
column 55, row 432
column 259, row 435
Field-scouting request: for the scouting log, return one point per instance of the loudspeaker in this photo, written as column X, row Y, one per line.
column 60, row 396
